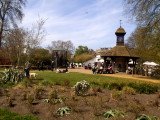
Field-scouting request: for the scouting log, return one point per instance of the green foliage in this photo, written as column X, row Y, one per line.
column 128, row 90
column 24, row 95
column 58, row 100
column 46, row 83
column 40, row 55
column 38, row 92
column 47, row 100
column 30, row 99
column 81, row 50
column 146, row 117
column 9, row 101
column 64, row 110
column 94, row 83
column 13, row 75
column 144, row 88
column 114, row 113
column 83, row 58
column 53, row 94
column 81, row 87
column 156, row 73
column 66, row 82
column 25, row 82
column 117, row 94
column 7, row 115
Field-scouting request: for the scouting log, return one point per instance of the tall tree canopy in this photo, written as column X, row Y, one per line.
column 146, row 12
column 81, row 50
column 10, row 12
column 145, row 39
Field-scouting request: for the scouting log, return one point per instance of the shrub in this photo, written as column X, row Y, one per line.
column 66, row 82
column 10, row 102
column 116, row 94
column 113, row 85
column 45, row 83
column 146, row 88
column 53, row 94
column 25, row 82
column 38, row 92
column 156, row 73
column 30, row 99
column 81, row 87
column 128, row 90
column 24, row 95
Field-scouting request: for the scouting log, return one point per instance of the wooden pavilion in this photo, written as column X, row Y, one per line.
column 119, row 56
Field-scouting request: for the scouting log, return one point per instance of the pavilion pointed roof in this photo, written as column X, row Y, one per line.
column 118, row 51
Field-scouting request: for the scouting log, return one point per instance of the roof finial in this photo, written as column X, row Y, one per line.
column 120, row 23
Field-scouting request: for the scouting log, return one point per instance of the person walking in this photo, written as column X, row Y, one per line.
column 52, row 66
column 27, row 69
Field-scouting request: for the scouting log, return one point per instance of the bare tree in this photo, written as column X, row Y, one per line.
column 14, row 45
column 10, row 11
column 20, row 42
column 34, row 36
column 66, row 45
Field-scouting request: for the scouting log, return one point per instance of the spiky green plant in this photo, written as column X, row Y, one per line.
column 114, row 113
column 64, row 110
column 13, row 75
column 58, row 100
column 47, row 100
column 147, row 117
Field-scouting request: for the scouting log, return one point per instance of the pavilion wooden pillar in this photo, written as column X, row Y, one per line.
column 113, row 64
column 105, row 64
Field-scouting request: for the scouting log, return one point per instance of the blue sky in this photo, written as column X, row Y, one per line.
column 89, row 23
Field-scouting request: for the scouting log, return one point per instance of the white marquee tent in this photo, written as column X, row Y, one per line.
column 150, row 63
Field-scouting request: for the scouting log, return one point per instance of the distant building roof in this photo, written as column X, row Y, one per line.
column 120, row 51
column 102, row 50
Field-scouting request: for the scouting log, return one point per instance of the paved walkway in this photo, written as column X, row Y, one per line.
column 122, row 75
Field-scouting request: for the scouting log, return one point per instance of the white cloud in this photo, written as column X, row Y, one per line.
column 92, row 24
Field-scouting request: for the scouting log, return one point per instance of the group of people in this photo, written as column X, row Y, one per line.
column 101, row 70
column 63, row 71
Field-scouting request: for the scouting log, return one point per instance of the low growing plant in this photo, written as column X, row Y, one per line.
column 30, row 99
column 24, row 95
column 114, row 113
column 64, row 110
column 47, row 100
column 147, row 117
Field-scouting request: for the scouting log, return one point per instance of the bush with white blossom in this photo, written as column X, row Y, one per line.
column 81, row 87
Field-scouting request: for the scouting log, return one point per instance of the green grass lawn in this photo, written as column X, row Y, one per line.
column 102, row 81
column 75, row 77
column 7, row 115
